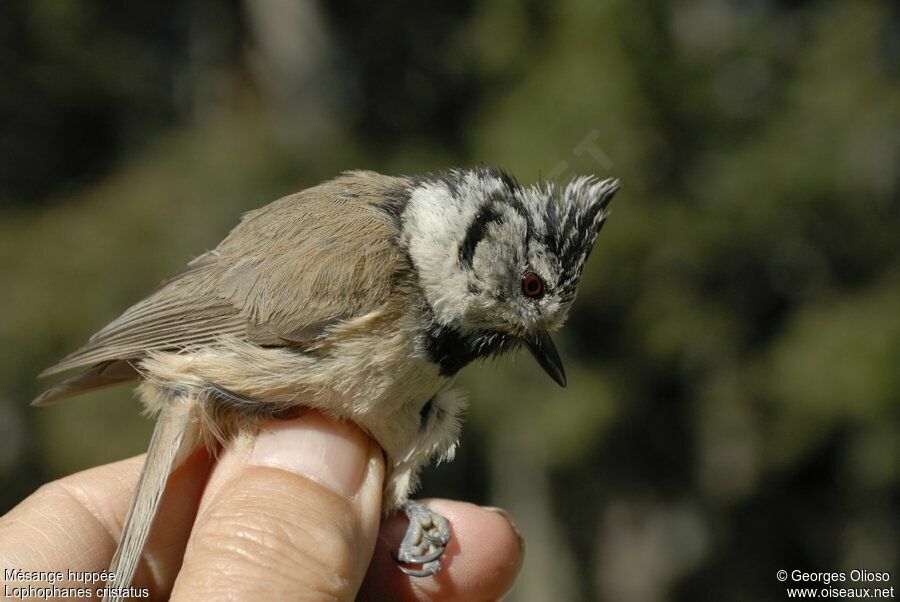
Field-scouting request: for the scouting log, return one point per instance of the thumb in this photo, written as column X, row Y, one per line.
column 291, row 515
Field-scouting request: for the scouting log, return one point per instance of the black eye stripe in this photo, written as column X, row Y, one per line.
column 476, row 233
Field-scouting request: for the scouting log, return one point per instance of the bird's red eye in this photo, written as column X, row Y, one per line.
column 532, row 285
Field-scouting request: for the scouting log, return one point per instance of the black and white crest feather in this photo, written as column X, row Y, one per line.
column 472, row 234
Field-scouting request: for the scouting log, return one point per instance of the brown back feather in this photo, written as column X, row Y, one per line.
column 285, row 273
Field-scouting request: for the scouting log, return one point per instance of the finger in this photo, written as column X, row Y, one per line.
column 293, row 515
column 481, row 562
column 76, row 522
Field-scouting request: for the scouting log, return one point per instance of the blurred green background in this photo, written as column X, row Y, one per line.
column 734, row 354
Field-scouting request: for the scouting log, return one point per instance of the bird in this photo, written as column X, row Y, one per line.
column 362, row 297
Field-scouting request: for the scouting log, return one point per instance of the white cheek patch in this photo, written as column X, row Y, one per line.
column 497, row 264
column 432, row 222
column 435, row 222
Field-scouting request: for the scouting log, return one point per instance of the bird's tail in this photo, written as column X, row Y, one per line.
column 174, row 438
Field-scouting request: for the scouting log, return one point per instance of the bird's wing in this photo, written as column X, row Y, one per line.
column 325, row 254
column 99, row 376
column 185, row 311
column 285, row 273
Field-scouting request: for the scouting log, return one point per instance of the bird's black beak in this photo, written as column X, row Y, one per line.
column 544, row 351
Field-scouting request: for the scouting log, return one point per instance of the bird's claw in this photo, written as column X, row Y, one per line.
column 428, row 570
column 425, row 541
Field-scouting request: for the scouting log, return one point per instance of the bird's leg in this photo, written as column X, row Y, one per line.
column 425, row 540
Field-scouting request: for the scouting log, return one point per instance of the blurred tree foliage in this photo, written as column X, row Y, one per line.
column 734, row 406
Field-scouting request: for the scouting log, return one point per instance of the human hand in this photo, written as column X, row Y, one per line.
column 295, row 515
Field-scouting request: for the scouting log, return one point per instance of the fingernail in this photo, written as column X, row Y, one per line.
column 512, row 523
column 334, row 454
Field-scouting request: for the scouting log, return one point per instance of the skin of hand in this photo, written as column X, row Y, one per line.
column 294, row 514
